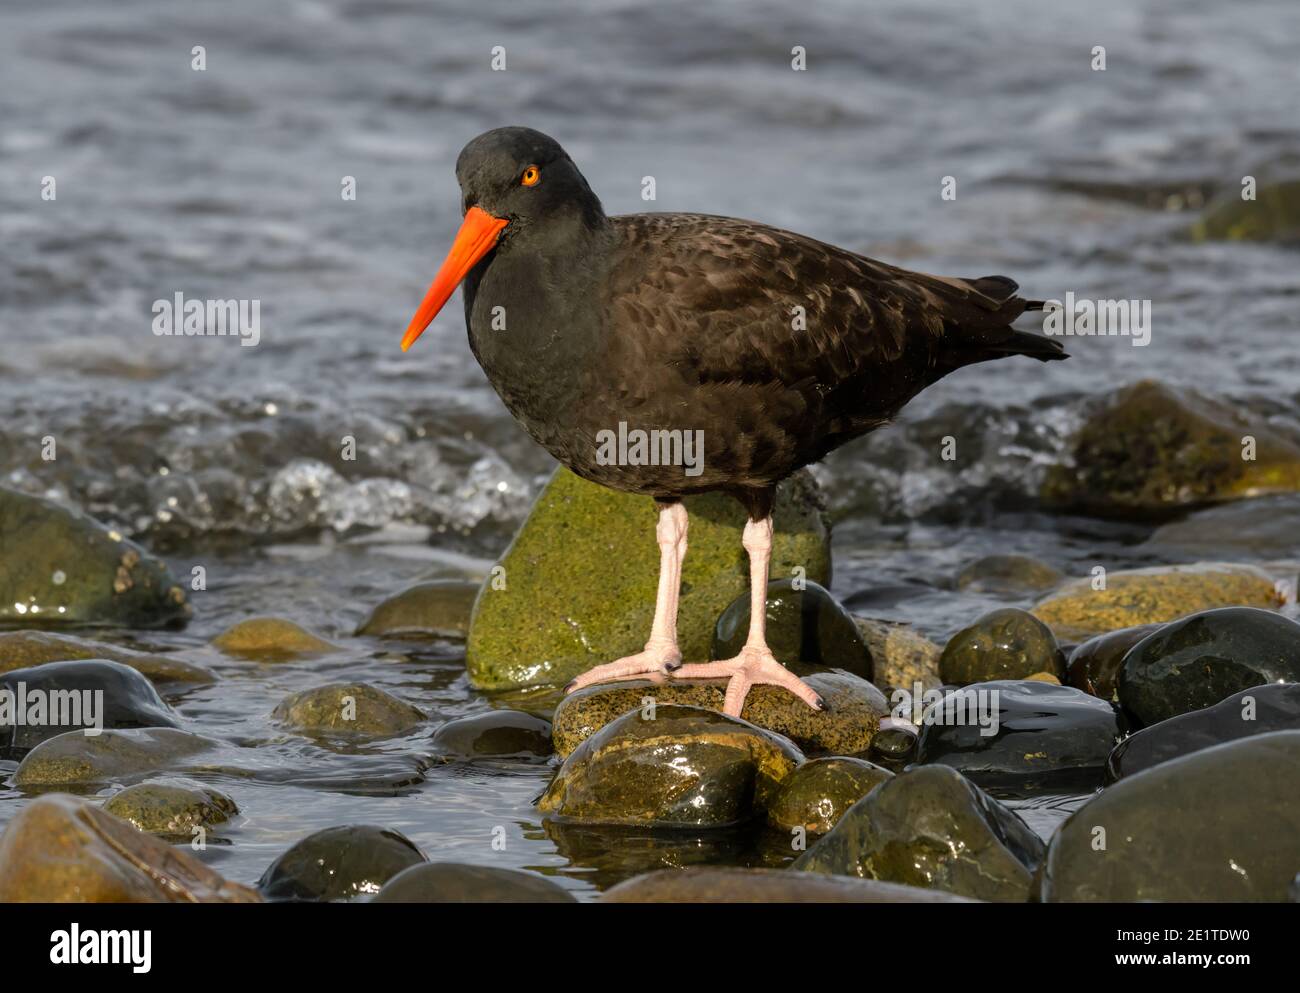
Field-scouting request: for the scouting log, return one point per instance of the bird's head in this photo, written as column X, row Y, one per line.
column 512, row 180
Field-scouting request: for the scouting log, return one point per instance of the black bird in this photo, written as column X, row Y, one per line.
column 741, row 351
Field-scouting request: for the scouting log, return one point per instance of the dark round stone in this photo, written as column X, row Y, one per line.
column 497, row 733
column 1094, row 665
column 455, row 882
column 339, row 863
column 1008, row 643
column 1199, row 660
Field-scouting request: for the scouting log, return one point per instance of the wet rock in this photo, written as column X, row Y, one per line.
column 339, row 863
column 1200, row 660
column 1044, row 677
column 1003, row 644
column 807, row 627
column 1258, row 710
column 580, row 577
column 436, row 609
column 902, row 657
column 1151, row 596
column 58, row 566
column 1009, row 576
column 671, row 766
column 73, row 758
column 817, row 794
column 171, row 807
column 496, row 734
column 1151, row 450
column 22, row 649
column 44, row 701
column 1246, row 529
column 933, row 828
column 717, row 885
column 847, row 727
column 893, row 746
column 1218, row 826
column 456, row 882
column 1094, row 665
column 1035, row 736
column 1273, row 216
column 58, row 849
column 347, row 709
column 270, row 639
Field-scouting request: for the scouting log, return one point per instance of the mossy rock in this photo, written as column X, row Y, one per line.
column 805, row 626
column 270, row 639
column 901, row 656
column 59, row 566
column 436, row 609
column 847, row 726
column 1273, row 216
column 1003, row 644
column 1151, row 451
column 59, row 849
column 577, row 586
column 932, row 827
column 347, row 709
column 1151, row 596
column 74, row 758
column 171, row 807
column 815, row 796
column 671, row 766
column 23, row 649
column 1009, row 576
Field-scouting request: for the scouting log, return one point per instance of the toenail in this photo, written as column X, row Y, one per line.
column 571, row 685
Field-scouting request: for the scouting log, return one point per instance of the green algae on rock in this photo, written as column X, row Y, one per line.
column 59, row 849
column 932, row 827
column 855, row 708
column 270, row 639
column 732, row 885
column 1150, row 596
column 1199, row 660
column 1009, row 575
column 171, row 807
column 1274, row 215
column 901, row 656
column 577, row 586
column 1151, row 451
column 671, row 766
column 59, row 566
column 76, row 759
column 339, row 863
column 1217, row 826
column 1008, row 643
column 457, row 882
column 436, row 609
column 22, row 649
column 805, row 627
column 348, row 709
column 495, row 734
column 816, row 795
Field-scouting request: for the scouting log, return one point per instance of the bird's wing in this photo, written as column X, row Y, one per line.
column 735, row 300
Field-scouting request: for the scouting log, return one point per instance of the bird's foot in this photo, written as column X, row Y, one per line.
column 658, row 659
column 753, row 666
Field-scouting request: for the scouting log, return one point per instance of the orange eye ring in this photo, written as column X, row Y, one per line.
column 531, row 177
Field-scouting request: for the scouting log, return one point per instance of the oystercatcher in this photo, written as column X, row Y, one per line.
column 768, row 347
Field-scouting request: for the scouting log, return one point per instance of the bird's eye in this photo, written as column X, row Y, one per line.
column 531, row 176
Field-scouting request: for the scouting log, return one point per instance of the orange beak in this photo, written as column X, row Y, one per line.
column 476, row 237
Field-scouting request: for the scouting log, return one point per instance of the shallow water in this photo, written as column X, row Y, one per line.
column 225, row 184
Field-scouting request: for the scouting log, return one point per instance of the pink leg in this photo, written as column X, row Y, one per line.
column 755, row 664
column 661, row 654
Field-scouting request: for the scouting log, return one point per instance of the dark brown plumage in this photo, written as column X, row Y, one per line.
column 771, row 347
